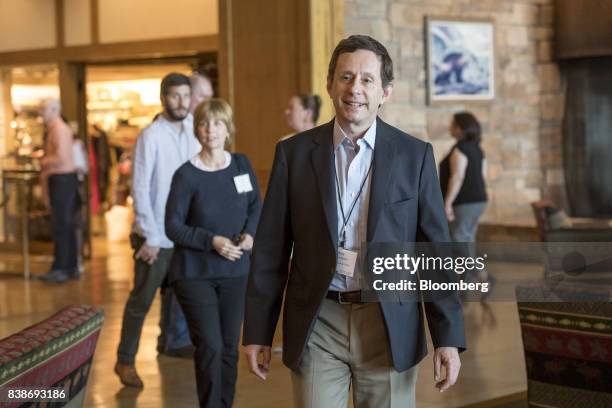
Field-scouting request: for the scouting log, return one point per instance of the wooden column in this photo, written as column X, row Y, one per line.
column 6, row 132
column 72, row 91
column 70, row 76
column 73, row 98
column 269, row 51
column 326, row 30
column 95, row 21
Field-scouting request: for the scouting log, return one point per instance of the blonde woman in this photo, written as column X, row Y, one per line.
column 211, row 216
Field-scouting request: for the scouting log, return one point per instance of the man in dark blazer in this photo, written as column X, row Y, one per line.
column 332, row 189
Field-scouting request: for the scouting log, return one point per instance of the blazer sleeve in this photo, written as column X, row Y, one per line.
column 444, row 313
column 177, row 210
column 254, row 208
column 270, row 259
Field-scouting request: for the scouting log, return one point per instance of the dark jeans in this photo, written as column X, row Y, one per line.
column 174, row 332
column 147, row 279
column 65, row 216
column 214, row 310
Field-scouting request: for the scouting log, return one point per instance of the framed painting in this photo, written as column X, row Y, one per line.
column 460, row 59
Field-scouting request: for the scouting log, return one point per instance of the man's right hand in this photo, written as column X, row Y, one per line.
column 252, row 352
column 147, row 253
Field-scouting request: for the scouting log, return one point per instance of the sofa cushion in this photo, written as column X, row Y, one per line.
column 56, row 352
column 567, row 344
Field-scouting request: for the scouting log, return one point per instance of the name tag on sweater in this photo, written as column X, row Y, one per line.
column 243, row 183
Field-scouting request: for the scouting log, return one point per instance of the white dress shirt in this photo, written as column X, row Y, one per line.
column 352, row 162
column 160, row 150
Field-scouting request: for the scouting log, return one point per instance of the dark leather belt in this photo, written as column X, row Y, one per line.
column 345, row 298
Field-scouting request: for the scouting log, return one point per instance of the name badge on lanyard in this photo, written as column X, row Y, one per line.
column 243, row 183
column 346, row 261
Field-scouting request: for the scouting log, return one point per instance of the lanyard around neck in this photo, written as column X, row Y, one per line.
column 352, row 206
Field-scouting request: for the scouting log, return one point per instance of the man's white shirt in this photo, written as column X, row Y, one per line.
column 160, row 150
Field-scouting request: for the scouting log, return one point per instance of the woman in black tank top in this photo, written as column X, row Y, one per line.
column 462, row 170
column 462, row 178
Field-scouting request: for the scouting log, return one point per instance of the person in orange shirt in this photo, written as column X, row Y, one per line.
column 59, row 178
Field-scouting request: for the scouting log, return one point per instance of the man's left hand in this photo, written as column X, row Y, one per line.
column 447, row 357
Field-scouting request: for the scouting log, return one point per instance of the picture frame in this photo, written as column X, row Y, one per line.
column 460, row 59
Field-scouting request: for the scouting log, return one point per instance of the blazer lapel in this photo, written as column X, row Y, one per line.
column 383, row 163
column 323, row 162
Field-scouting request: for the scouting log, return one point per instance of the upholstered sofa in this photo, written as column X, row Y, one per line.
column 57, row 352
column 554, row 226
column 567, row 340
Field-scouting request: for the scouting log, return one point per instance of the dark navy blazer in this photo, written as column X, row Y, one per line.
column 299, row 213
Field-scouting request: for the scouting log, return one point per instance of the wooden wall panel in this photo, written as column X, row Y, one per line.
column 268, row 61
column 583, row 28
column 119, row 51
column 269, row 51
column 26, row 24
column 77, row 22
column 134, row 20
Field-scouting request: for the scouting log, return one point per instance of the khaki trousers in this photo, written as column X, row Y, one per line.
column 348, row 348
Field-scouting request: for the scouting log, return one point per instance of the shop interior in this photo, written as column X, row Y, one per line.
column 121, row 99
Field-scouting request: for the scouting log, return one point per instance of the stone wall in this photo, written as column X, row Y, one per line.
column 522, row 138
